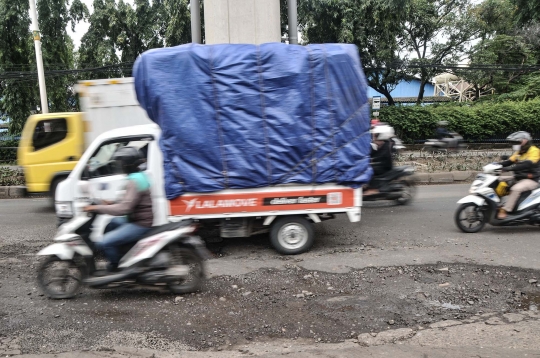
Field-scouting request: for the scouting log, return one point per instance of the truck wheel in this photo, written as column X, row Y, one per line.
column 292, row 235
column 52, row 191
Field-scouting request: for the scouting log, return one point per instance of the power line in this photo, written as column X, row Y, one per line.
column 125, row 68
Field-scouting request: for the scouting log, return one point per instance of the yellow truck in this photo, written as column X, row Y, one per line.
column 51, row 144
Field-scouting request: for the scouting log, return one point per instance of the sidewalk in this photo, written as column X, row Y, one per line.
column 446, row 177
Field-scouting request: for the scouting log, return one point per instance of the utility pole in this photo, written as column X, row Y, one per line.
column 39, row 58
column 195, row 9
column 292, row 11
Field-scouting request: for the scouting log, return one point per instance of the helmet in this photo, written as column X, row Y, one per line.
column 128, row 159
column 383, row 132
column 442, row 123
column 518, row 137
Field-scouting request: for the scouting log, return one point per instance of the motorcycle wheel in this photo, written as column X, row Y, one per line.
column 59, row 279
column 408, row 192
column 469, row 218
column 186, row 257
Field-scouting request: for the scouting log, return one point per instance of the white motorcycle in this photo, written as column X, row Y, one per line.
column 481, row 206
column 169, row 255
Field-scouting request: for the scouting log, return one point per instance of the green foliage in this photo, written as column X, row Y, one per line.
column 438, row 31
column 8, row 155
column 57, row 47
column 17, row 97
column 372, row 25
column 474, row 122
column 500, row 50
column 527, row 10
column 10, row 177
column 120, row 28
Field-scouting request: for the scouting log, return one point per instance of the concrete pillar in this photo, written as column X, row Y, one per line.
column 242, row 21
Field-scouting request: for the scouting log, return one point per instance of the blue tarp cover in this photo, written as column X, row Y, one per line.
column 247, row 116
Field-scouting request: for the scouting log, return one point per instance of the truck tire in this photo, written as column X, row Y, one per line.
column 291, row 235
column 52, row 190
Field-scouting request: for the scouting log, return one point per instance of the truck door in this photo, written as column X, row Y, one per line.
column 106, row 178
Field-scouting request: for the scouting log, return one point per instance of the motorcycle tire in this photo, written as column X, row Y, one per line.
column 186, row 256
column 461, row 222
column 408, row 193
column 61, row 277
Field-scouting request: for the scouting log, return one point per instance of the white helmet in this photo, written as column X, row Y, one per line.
column 383, row 132
column 517, row 137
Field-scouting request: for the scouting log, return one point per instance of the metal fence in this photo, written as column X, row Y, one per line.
column 7, row 137
column 491, row 140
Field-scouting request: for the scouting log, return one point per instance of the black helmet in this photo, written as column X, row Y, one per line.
column 128, row 159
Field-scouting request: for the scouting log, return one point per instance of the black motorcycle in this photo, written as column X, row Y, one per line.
column 397, row 184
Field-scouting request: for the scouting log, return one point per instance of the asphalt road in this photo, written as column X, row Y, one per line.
column 420, row 233
column 401, row 267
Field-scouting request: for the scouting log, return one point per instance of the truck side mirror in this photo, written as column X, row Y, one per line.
column 504, row 157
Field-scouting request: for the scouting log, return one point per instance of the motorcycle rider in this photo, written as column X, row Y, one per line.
column 524, row 164
column 134, row 212
column 381, row 155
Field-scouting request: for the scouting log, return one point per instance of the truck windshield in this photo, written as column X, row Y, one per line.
column 100, row 164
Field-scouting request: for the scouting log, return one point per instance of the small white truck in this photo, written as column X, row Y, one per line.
column 287, row 212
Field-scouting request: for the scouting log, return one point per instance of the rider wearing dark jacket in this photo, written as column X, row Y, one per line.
column 381, row 155
column 381, row 158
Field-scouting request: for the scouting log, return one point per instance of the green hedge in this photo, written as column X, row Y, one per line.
column 473, row 121
column 9, row 177
column 7, row 154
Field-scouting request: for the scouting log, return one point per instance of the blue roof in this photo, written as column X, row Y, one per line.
column 406, row 89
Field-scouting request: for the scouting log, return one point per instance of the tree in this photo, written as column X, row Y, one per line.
column 374, row 26
column 494, row 17
column 17, row 97
column 119, row 32
column 527, row 11
column 436, row 32
column 505, row 51
column 178, row 21
column 57, row 48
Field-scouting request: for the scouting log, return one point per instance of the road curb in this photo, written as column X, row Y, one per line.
column 11, row 192
column 446, row 177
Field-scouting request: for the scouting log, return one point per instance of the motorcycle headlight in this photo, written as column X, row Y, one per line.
column 64, row 209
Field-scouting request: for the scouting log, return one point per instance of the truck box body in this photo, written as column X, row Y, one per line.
column 246, row 116
column 109, row 104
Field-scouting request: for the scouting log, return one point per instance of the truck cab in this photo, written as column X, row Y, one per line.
column 50, row 146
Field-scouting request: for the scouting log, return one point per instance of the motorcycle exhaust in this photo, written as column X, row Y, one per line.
column 97, row 282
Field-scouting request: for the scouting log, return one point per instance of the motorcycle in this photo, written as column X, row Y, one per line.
column 455, row 143
column 397, row 184
column 168, row 255
column 481, row 206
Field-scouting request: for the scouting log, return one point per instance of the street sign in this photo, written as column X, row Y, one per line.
column 376, row 103
column 375, row 114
